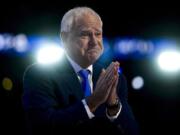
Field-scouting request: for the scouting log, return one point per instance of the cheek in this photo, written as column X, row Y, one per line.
column 82, row 44
column 80, row 47
column 100, row 44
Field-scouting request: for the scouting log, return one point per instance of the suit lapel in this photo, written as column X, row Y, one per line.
column 70, row 79
column 73, row 83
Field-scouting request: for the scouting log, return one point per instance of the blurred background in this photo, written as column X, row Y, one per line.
column 143, row 37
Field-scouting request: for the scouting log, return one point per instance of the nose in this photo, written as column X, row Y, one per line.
column 93, row 40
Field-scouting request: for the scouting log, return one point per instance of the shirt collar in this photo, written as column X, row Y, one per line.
column 77, row 67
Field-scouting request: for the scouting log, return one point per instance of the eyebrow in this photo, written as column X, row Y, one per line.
column 86, row 30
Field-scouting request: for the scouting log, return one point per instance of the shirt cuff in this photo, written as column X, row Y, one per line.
column 112, row 118
column 89, row 113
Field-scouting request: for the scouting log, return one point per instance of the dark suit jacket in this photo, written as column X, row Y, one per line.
column 52, row 103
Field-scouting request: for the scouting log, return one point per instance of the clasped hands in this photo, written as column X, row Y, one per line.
column 106, row 88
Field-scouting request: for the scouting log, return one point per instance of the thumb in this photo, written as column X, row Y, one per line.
column 102, row 72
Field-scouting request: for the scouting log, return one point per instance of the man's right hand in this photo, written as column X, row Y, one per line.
column 103, row 86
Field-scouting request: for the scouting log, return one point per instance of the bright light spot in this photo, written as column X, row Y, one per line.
column 7, row 84
column 169, row 61
column 20, row 43
column 137, row 82
column 49, row 54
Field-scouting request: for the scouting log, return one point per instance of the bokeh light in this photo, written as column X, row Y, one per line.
column 7, row 84
column 137, row 82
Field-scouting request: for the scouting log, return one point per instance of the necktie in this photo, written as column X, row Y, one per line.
column 85, row 82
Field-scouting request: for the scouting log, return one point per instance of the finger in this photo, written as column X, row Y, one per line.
column 111, row 89
column 109, row 68
column 106, row 77
column 117, row 64
column 112, row 80
column 102, row 72
column 112, row 72
column 114, row 88
column 101, row 76
column 106, row 84
column 113, row 64
column 116, row 82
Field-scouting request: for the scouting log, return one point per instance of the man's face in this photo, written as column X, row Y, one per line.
column 84, row 42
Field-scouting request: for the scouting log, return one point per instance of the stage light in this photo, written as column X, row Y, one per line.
column 169, row 61
column 137, row 82
column 49, row 54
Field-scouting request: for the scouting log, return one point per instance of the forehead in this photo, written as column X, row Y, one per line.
column 87, row 21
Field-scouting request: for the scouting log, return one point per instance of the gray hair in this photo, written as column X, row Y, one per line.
column 70, row 16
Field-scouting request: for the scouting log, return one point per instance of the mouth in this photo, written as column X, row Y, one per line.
column 93, row 50
column 93, row 53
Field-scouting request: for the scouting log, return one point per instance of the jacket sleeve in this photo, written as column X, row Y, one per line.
column 126, row 120
column 41, row 106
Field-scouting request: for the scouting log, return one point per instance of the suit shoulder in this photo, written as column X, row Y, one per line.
column 39, row 70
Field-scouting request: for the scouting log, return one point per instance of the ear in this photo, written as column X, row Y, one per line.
column 63, row 36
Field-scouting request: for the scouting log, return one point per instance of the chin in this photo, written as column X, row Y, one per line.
column 93, row 59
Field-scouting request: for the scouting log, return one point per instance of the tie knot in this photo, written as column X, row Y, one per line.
column 84, row 73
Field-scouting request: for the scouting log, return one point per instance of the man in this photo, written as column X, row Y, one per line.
column 61, row 98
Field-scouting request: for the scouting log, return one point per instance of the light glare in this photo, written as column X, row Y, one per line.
column 169, row 61
column 49, row 54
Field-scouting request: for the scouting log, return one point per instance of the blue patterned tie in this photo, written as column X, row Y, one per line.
column 85, row 82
